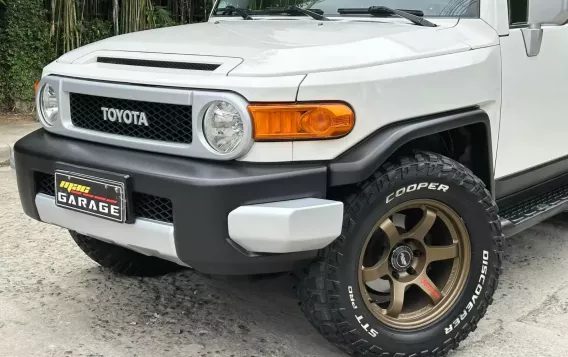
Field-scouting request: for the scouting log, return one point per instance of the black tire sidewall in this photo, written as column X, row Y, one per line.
column 123, row 260
column 367, row 209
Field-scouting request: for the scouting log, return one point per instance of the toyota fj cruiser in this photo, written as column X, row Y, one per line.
column 364, row 147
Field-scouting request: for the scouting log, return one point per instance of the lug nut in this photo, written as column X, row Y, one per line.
column 395, row 275
column 411, row 271
column 417, row 253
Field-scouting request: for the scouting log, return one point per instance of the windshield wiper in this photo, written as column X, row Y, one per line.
column 230, row 9
column 292, row 9
column 412, row 15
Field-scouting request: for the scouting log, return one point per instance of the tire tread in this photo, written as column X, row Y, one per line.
column 318, row 290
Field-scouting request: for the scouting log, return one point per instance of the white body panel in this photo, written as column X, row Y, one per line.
column 496, row 14
column 398, row 91
column 533, row 124
column 269, row 48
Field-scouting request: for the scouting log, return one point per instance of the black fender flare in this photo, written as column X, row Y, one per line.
column 358, row 163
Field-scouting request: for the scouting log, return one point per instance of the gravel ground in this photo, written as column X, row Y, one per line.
column 13, row 127
column 54, row 301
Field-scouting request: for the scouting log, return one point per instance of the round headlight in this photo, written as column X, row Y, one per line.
column 49, row 105
column 223, row 127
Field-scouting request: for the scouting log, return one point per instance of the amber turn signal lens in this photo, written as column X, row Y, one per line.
column 36, row 86
column 301, row 121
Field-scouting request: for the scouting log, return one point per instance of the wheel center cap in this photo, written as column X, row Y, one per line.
column 401, row 258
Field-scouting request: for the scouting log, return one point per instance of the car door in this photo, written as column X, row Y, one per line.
column 533, row 135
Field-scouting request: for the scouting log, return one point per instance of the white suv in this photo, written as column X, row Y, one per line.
column 364, row 147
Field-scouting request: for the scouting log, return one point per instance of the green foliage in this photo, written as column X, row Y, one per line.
column 35, row 32
column 24, row 48
column 94, row 30
column 161, row 17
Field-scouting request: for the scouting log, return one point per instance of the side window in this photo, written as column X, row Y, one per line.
column 518, row 12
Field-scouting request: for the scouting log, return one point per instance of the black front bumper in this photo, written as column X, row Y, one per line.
column 202, row 194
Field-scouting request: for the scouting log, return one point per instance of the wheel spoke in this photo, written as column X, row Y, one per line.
column 392, row 233
column 434, row 254
column 376, row 272
column 428, row 256
column 424, row 226
column 397, row 298
column 429, row 288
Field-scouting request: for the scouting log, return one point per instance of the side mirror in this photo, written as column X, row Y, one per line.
column 542, row 12
column 548, row 12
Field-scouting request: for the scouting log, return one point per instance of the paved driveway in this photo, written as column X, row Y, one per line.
column 55, row 302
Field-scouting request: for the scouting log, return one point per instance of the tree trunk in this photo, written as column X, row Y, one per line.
column 115, row 16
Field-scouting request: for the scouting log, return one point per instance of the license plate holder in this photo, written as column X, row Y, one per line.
column 93, row 192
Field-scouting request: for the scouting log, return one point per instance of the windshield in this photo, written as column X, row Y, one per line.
column 431, row 8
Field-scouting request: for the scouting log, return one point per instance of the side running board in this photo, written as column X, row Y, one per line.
column 533, row 210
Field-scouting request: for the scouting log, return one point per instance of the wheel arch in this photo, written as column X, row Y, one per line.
column 425, row 133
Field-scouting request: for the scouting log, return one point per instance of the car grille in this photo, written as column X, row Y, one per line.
column 45, row 183
column 153, row 207
column 145, row 206
column 166, row 122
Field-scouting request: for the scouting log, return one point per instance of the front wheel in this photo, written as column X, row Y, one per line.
column 122, row 260
column 416, row 265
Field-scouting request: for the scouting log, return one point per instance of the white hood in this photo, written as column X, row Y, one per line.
column 292, row 46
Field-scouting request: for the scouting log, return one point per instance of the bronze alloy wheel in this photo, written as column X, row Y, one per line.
column 414, row 264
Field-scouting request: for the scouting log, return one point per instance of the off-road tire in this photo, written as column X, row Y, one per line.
column 121, row 260
column 323, row 287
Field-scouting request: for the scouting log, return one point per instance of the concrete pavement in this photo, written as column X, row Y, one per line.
column 10, row 132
